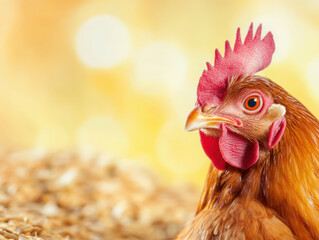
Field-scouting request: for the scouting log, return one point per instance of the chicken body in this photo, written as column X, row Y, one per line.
column 277, row 197
column 240, row 220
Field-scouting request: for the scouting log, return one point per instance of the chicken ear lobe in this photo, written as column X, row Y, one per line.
column 277, row 130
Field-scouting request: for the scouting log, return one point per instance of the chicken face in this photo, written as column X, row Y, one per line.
column 246, row 122
column 238, row 118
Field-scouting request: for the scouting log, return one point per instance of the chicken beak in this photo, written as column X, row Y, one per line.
column 197, row 120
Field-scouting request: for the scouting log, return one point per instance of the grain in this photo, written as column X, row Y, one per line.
column 71, row 196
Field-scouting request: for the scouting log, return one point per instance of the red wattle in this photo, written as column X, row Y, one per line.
column 230, row 148
column 237, row 150
column 210, row 145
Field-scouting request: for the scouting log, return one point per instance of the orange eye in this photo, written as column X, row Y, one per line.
column 252, row 103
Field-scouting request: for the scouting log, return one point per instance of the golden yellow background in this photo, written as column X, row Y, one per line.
column 119, row 77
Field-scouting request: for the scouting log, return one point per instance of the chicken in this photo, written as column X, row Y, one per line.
column 264, row 148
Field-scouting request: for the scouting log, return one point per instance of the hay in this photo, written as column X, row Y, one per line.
column 68, row 196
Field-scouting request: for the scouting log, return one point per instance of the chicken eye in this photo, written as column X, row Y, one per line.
column 252, row 103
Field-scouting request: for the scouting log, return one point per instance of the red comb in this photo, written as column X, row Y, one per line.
column 247, row 58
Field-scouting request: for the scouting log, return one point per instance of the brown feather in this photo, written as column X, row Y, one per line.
column 277, row 198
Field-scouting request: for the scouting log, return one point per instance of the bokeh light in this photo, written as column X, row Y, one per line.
column 102, row 41
column 276, row 23
column 120, row 77
column 173, row 145
column 52, row 137
column 275, row 18
column 103, row 135
column 312, row 77
column 159, row 66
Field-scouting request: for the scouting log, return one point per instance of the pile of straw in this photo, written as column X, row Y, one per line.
column 69, row 196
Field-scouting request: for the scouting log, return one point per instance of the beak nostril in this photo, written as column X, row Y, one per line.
column 209, row 109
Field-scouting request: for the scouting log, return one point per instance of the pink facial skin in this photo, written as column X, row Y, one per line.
column 232, row 148
column 234, row 107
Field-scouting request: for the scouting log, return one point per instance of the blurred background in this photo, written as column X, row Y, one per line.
column 119, row 77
